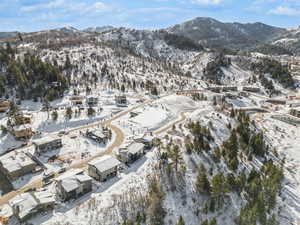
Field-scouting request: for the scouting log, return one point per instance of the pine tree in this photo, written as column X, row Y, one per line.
column 69, row 113
column 181, row 221
column 202, row 183
column 54, row 115
column 175, row 155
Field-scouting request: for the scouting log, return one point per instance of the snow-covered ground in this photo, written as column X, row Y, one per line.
column 96, row 207
column 286, row 138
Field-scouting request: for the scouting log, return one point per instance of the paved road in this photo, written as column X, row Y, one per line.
column 118, row 141
column 170, row 126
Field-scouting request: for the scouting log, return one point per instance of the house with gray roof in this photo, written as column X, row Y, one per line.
column 103, row 168
column 16, row 164
column 47, row 143
column 28, row 204
column 73, row 184
column 131, row 153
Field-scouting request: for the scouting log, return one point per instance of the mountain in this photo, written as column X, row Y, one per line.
column 201, row 31
column 67, row 29
column 4, row 35
column 214, row 33
column 157, row 44
column 98, row 29
column 290, row 40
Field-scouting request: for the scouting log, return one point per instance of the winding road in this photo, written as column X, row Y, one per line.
column 118, row 141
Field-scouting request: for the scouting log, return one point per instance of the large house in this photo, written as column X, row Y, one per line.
column 92, row 100
column 73, row 184
column 77, row 100
column 100, row 135
column 147, row 140
column 295, row 112
column 103, row 168
column 28, row 204
column 16, row 164
column 47, row 144
column 276, row 101
column 131, row 153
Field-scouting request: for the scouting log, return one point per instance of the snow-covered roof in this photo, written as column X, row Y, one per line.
column 46, row 140
column 25, row 202
column 45, row 197
column 83, row 178
column 70, row 184
column 15, row 160
column 72, row 179
column 98, row 132
column 69, row 173
column 28, row 202
column 135, row 148
column 105, row 163
column 92, row 96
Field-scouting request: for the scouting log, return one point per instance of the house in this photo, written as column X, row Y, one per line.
column 76, row 100
column 295, row 112
column 121, row 100
column 103, row 168
column 16, row 164
column 73, row 184
column 131, row 153
column 276, row 101
column 92, row 100
column 251, row 89
column 4, row 106
column 23, row 134
column 100, row 135
column 28, row 204
column 229, row 88
column 147, row 140
column 215, row 89
column 47, row 144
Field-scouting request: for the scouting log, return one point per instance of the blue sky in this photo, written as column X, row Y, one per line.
column 33, row 15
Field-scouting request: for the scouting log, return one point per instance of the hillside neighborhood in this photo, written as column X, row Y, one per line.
column 135, row 127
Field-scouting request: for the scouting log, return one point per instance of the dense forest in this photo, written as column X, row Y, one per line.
column 277, row 71
column 28, row 77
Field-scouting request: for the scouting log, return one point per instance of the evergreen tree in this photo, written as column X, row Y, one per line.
column 181, row 221
column 54, row 115
column 69, row 113
column 202, row 183
column 175, row 155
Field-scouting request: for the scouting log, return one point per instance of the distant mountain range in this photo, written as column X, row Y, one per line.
column 4, row 35
column 217, row 34
column 209, row 33
column 99, row 29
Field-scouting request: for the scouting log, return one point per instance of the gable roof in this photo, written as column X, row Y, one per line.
column 105, row 163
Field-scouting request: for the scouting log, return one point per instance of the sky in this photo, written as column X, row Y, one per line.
column 34, row 15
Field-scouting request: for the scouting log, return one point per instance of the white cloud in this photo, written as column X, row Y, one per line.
column 207, row 2
column 286, row 11
column 48, row 5
column 69, row 6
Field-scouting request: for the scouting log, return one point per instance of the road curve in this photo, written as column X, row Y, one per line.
column 118, row 141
